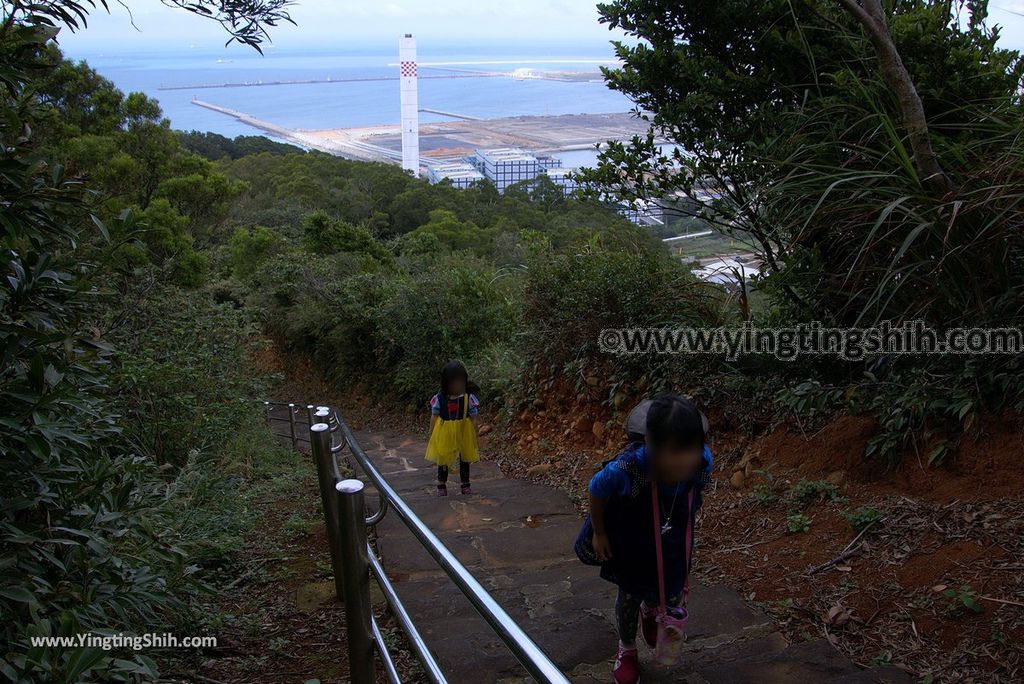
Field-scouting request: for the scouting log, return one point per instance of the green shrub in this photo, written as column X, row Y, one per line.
column 764, row 492
column 570, row 298
column 807, row 491
column 797, row 523
column 179, row 373
column 455, row 310
column 453, row 234
column 862, row 517
column 81, row 517
column 324, row 235
column 250, row 248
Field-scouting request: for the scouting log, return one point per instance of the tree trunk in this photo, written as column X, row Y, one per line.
column 871, row 16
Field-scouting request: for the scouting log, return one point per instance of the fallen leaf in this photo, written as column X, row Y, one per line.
column 837, row 615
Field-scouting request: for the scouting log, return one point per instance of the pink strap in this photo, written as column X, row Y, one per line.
column 656, row 508
column 688, row 552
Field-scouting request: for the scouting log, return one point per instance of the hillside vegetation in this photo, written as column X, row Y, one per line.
column 143, row 266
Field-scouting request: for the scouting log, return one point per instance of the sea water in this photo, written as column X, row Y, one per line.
column 341, row 104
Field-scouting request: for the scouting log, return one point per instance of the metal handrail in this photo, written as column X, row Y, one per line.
column 530, row 656
column 293, row 434
column 346, row 530
column 419, row 646
column 312, row 414
column 385, row 655
column 334, row 423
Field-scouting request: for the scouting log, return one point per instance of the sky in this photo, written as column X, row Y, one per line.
column 354, row 23
column 360, row 23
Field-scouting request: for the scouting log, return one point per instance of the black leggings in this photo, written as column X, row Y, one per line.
column 627, row 612
column 442, row 473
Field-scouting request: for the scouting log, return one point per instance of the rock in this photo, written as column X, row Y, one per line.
column 593, row 380
column 538, row 470
column 737, row 479
column 484, row 429
column 582, row 424
column 598, row 429
column 837, row 477
column 538, row 403
column 619, row 399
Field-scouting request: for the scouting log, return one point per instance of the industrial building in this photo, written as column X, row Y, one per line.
column 563, row 178
column 547, row 162
column 459, row 174
column 505, row 166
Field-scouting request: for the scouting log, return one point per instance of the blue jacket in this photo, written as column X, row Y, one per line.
column 625, row 482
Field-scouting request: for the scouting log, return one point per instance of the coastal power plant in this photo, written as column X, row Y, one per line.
column 408, row 89
column 458, row 147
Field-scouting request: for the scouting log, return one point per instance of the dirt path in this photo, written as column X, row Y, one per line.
column 516, row 537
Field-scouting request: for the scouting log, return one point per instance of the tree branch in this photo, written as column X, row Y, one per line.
column 870, row 15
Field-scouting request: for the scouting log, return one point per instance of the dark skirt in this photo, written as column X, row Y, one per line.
column 629, row 523
column 634, row 562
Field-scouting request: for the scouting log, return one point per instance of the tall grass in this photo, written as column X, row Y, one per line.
column 867, row 241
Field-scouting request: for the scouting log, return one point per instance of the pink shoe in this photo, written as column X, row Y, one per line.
column 466, row 489
column 649, row 624
column 627, row 667
column 442, row 490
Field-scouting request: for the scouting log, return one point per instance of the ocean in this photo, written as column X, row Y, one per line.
column 362, row 103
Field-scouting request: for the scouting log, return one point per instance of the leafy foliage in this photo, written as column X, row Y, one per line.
column 959, row 601
column 214, row 146
column 862, row 517
column 78, row 515
column 797, row 523
column 88, row 532
column 808, row 491
column 827, row 184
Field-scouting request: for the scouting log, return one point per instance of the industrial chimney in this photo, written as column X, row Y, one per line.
column 410, row 104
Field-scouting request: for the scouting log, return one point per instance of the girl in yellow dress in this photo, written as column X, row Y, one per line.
column 453, row 426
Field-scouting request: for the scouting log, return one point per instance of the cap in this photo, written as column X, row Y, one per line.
column 636, row 421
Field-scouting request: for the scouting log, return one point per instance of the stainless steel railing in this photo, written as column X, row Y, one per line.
column 354, row 561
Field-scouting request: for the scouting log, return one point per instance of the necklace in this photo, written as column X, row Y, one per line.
column 668, row 518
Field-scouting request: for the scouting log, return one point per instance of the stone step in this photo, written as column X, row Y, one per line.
column 516, row 538
column 810, row 662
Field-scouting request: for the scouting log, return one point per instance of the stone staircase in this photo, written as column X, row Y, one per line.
column 516, row 537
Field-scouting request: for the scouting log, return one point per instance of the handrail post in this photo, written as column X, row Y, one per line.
column 529, row 654
column 291, row 424
column 356, row 572
column 320, row 445
column 309, row 415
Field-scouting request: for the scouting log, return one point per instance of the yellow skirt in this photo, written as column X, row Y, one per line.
column 452, row 441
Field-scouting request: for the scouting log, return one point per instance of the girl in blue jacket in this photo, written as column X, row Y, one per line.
column 675, row 456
